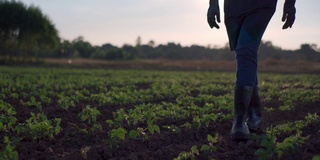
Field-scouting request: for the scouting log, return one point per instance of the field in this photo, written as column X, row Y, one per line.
column 69, row 113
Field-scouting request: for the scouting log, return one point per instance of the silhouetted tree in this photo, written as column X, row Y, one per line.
column 24, row 31
column 83, row 48
column 66, row 49
column 138, row 41
column 130, row 49
column 152, row 43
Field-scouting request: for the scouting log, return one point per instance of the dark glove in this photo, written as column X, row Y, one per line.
column 213, row 14
column 289, row 13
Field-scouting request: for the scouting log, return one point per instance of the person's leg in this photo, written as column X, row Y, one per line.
column 252, row 29
column 251, row 32
column 245, row 33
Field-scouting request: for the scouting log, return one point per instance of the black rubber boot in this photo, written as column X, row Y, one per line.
column 254, row 114
column 242, row 97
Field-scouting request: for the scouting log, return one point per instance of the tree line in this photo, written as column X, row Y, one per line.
column 79, row 48
column 26, row 34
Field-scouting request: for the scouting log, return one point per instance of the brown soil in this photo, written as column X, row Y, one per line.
column 275, row 66
column 71, row 144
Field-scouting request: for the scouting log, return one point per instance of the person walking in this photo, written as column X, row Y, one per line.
column 246, row 22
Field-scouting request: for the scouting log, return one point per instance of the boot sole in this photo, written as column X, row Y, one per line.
column 257, row 129
column 254, row 128
column 239, row 136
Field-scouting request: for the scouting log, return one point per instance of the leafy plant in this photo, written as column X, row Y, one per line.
column 45, row 100
column 186, row 125
column 89, row 114
column 133, row 134
column 145, row 99
column 297, row 125
column 65, row 102
column 212, row 141
column 118, row 134
column 152, row 127
column 113, row 124
column 188, row 155
column 8, row 119
column 270, row 147
column 33, row 103
column 316, row 157
column 95, row 128
column 290, row 144
column 38, row 126
column 8, row 153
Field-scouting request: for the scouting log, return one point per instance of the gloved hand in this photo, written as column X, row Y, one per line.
column 214, row 14
column 289, row 13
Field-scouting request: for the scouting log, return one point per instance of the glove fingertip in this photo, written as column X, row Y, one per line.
column 218, row 19
column 211, row 26
column 284, row 26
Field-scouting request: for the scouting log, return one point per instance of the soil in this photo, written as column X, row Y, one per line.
column 269, row 65
column 71, row 144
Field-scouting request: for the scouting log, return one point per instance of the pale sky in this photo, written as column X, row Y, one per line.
column 180, row 21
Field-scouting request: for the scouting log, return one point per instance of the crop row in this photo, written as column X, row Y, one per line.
column 136, row 104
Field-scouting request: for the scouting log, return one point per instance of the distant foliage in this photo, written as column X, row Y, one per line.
column 79, row 48
column 25, row 32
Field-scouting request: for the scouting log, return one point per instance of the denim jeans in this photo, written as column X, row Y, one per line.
column 245, row 33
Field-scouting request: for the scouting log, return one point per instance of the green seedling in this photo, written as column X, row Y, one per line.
column 118, row 134
column 188, row 155
column 212, row 141
column 152, row 127
column 89, row 114
column 38, row 126
column 270, row 147
column 8, row 153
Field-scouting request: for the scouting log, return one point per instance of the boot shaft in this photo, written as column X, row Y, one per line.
column 255, row 99
column 242, row 97
column 255, row 108
column 254, row 113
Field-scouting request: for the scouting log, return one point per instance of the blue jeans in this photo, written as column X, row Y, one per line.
column 245, row 33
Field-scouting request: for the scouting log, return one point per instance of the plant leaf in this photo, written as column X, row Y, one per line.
column 156, row 128
column 210, row 138
column 205, row 148
column 133, row 134
column 151, row 129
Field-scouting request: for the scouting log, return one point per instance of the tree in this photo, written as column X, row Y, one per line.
column 84, row 48
column 66, row 49
column 152, row 43
column 307, row 48
column 24, row 31
column 138, row 41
